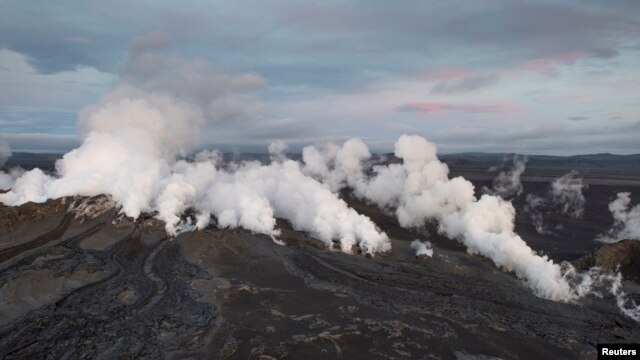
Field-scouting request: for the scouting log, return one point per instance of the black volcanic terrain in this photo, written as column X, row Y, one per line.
column 79, row 280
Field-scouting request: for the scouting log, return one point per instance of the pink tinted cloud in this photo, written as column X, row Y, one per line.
column 549, row 65
column 618, row 115
column 434, row 107
column 456, row 80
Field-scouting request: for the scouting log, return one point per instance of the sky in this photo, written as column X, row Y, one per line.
column 535, row 77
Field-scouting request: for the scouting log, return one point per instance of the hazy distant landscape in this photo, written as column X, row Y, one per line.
column 587, row 163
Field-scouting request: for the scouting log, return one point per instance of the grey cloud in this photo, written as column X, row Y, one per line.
column 332, row 44
column 40, row 142
column 329, row 48
column 544, row 139
column 578, row 118
column 545, row 30
column 604, row 53
column 465, row 134
column 224, row 99
column 50, row 38
column 466, row 84
column 156, row 40
column 24, row 119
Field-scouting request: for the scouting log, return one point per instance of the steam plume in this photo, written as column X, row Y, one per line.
column 566, row 192
column 422, row 248
column 564, row 196
column 419, row 191
column 134, row 134
column 5, row 152
column 508, row 184
column 626, row 220
column 7, row 178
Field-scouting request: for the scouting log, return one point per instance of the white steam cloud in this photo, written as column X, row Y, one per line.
column 5, row 152
column 131, row 140
column 564, row 196
column 566, row 192
column 508, row 184
column 533, row 207
column 419, row 191
column 626, row 220
column 422, row 248
column 7, row 178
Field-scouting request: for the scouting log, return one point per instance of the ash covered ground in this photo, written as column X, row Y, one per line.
column 80, row 280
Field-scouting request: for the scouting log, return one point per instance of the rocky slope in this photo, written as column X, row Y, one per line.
column 77, row 280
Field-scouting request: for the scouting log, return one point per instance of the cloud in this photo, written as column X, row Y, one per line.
column 221, row 97
column 53, row 45
column 570, row 137
column 505, row 32
column 343, row 59
column 41, row 142
column 578, row 118
column 465, row 84
column 433, row 107
column 156, row 40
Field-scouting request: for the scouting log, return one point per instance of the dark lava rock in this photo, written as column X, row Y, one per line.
column 624, row 254
column 12, row 217
column 103, row 286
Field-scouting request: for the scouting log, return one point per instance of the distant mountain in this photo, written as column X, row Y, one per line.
column 29, row 161
column 578, row 162
column 590, row 162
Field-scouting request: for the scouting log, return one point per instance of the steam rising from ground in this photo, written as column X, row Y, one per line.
column 5, row 152
column 566, row 192
column 508, row 184
column 626, row 220
column 564, row 196
column 418, row 191
column 131, row 140
column 133, row 137
column 422, row 248
column 7, row 178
